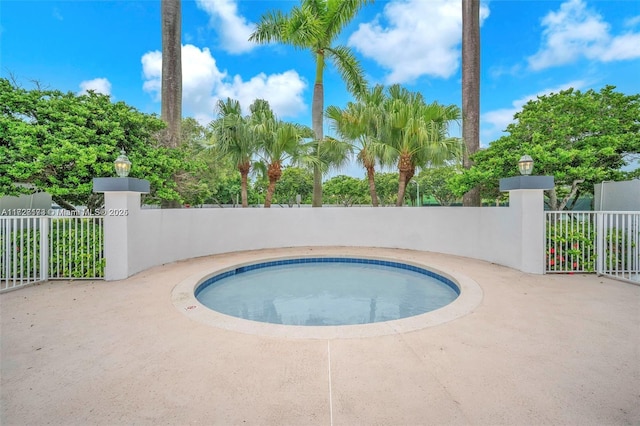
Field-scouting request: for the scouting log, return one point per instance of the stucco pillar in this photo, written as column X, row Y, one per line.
column 121, row 207
column 526, row 200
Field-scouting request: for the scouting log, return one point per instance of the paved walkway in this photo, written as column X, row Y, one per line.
column 536, row 350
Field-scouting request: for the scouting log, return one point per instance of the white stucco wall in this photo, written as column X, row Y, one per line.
column 155, row 237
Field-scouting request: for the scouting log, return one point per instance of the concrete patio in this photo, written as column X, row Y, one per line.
column 537, row 350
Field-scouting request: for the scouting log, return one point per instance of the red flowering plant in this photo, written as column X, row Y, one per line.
column 570, row 246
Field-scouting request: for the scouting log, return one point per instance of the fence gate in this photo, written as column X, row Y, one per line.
column 40, row 248
column 607, row 243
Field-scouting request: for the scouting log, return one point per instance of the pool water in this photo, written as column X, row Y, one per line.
column 322, row 292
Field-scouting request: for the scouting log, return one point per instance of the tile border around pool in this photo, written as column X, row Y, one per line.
column 183, row 298
column 320, row 259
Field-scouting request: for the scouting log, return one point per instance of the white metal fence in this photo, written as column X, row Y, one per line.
column 607, row 243
column 38, row 248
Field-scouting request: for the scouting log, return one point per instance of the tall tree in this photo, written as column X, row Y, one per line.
column 335, row 155
column 293, row 182
column 471, row 89
column 171, row 108
column 360, row 122
column 345, row 190
column 387, row 188
column 580, row 138
column 417, row 133
column 234, row 139
column 434, row 182
column 195, row 185
column 277, row 142
column 58, row 142
column 315, row 25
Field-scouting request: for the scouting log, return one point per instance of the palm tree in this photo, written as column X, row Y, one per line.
column 360, row 122
column 277, row 142
column 171, row 91
column 333, row 154
column 471, row 89
column 234, row 139
column 315, row 25
column 417, row 133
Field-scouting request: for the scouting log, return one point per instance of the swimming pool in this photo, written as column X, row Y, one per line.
column 326, row 291
column 183, row 295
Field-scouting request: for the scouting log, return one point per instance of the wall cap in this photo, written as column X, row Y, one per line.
column 526, row 182
column 118, row 184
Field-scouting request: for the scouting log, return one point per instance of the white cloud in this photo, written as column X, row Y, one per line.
column 574, row 32
column 98, row 85
column 632, row 21
column 152, row 71
column 626, row 46
column 413, row 38
column 498, row 120
column 203, row 84
column 283, row 91
column 233, row 29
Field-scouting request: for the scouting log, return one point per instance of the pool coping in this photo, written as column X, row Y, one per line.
column 183, row 298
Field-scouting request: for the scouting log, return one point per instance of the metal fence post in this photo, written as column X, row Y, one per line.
column 44, row 248
column 600, row 243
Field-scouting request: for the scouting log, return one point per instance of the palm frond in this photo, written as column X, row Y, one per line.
column 303, row 28
column 231, row 133
column 271, row 28
column 334, row 154
column 339, row 13
column 317, row 7
column 349, row 67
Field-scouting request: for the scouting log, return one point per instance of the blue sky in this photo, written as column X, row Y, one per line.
column 529, row 48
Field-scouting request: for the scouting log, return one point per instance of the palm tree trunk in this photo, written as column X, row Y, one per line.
column 372, row 185
column 171, row 90
column 410, row 174
column 404, row 168
column 271, row 189
column 244, row 172
column 171, row 108
column 274, row 173
column 471, row 89
column 401, row 188
column 317, row 114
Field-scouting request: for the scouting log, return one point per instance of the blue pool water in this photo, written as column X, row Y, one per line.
column 326, row 291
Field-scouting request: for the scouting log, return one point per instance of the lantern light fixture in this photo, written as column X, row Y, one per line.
column 122, row 164
column 525, row 165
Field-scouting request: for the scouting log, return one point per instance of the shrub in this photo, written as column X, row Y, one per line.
column 75, row 250
column 571, row 246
